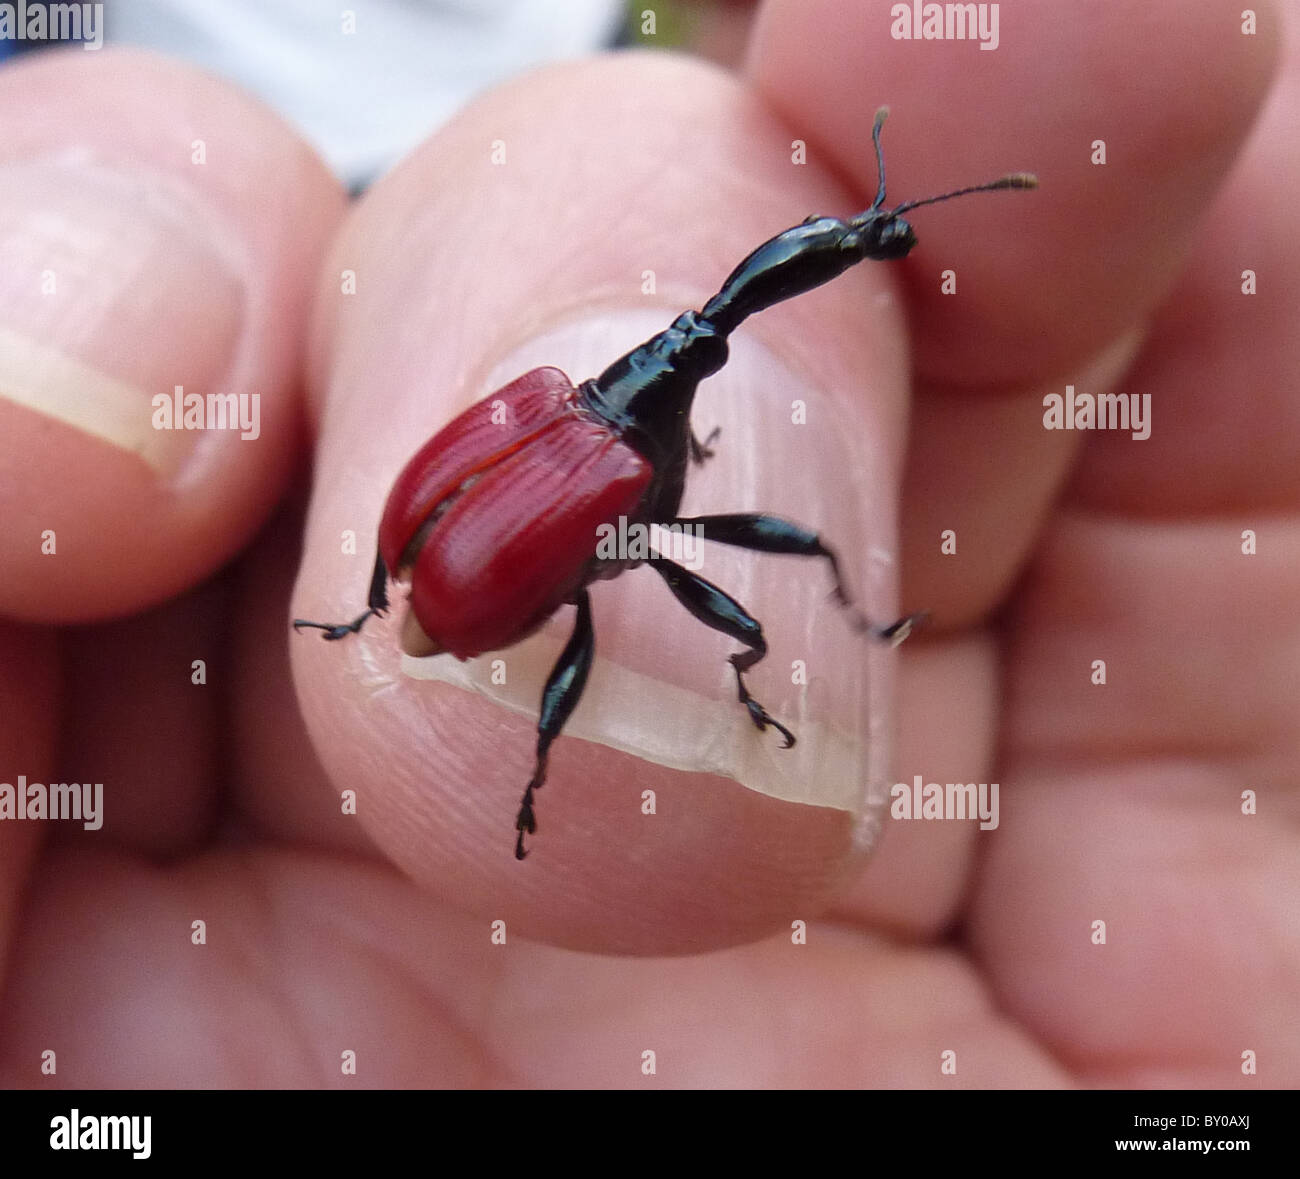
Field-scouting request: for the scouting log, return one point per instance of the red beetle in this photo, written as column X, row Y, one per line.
column 495, row 520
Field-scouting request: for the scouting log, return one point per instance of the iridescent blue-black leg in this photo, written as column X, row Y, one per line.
column 722, row 612
column 378, row 602
column 559, row 698
column 771, row 534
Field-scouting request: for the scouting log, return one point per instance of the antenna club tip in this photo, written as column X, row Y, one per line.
column 882, row 113
column 1020, row 180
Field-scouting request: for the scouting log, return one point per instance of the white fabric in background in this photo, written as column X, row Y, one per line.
column 366, row 98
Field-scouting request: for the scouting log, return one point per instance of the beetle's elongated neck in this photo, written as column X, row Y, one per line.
column 789, row 264
column 648, row 393
column 652, row 387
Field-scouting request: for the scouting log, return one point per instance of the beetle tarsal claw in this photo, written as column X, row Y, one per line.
column 895, row 632
column 702, row 451
column 526, row 824
column 763, row 719
column 334, row 630
column 760, row 716
column 526, row 820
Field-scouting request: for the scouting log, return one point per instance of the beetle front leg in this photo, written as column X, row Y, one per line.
column 720, row 611
column 378, row 602
column 559, row 698
column 771, row 534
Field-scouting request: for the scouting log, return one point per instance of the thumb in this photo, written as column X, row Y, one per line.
column 561, row 221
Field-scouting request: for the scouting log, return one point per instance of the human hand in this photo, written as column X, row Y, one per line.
column 1115, row 803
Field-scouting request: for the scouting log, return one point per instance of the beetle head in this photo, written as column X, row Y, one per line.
column 884, row 232
column 887, row 236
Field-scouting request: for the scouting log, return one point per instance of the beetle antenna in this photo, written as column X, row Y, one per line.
column 881, row 115
column 1013, row 180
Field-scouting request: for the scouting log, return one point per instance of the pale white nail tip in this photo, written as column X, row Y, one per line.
column 45, row 380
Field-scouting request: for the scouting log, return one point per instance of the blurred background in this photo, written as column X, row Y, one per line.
column 366, row 80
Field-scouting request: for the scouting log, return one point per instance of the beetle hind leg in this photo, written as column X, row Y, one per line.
column 770, row 534
column 377, row 602
column 722, row 612
column 560, row 697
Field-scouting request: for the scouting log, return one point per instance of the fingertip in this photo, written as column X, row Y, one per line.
column 1128, row 136
column 602, row 221
column 158, row 252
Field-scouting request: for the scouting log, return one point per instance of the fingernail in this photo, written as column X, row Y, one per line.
column 113, row 289
column 661, row 687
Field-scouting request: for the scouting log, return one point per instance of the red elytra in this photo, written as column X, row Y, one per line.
column 495, row 519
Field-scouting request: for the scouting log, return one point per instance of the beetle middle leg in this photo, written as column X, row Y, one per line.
column 377, row 601
column 559, row 698
column 719, row 610
column 771, row 534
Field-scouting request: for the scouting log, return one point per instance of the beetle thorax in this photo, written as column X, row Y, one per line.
column 647, row 394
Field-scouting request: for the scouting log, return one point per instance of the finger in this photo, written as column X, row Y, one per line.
column 28, row 707
column 1052, row 286
column 1150, row 739
column 280, row 786
column 143, row 715
column 1170, row 580
column 1219, row 366
column 1172, row 110
column 468, row 274
column 292, row 941
column 158, row 233
column 918, row 879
